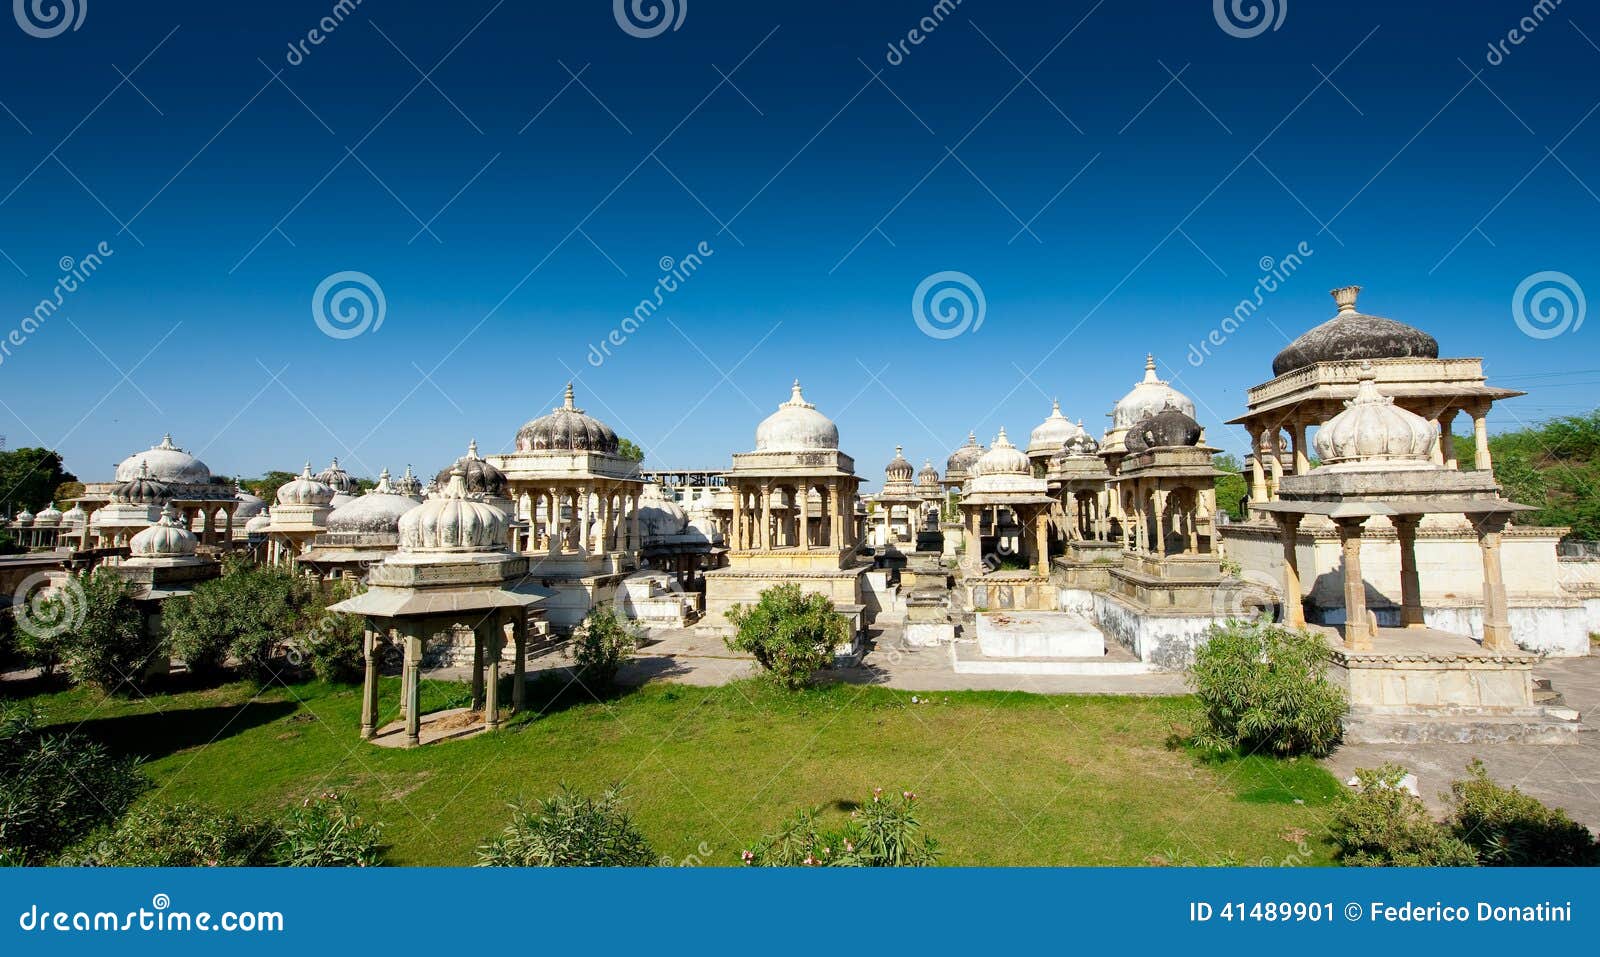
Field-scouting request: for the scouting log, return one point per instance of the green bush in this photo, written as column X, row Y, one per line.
column 1383, row 825
column 327, row 832
column 332, row 642
column 178, row 835
column 601, row 644
column 880, row 833
column 54, row 789
column 1262, row 687
column 570, row 830
column 244, row 615
column 105, row 643
column 791, row 634
column 1507, row 828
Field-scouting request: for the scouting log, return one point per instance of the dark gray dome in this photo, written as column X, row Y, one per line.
column 1168, row 428
column 899, row 469
column 961, row 459
column 338, row 479
column 566, row 429
column 479, row 476
column 1351, row 336
column 143, row 489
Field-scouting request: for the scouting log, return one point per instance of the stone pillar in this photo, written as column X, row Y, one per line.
column 1357, row 629
column 1447, row 445
column 1405, row 528
column 583, row 512
column 413, row 690
column 1496, row 610
column 1277, row 463
column 635, row 543
column 553, row 501
column 1041, row 538
column 519, row 667
column 830, row 499
column 974, row 542
column 227, row 528
column 765, row 531
column 1480, row 438
column 1302, row 459
column 491, row 704
column 1294, row 611
column 477, row 668
column 1258, row 475
column 803, row 493
column 369, row 688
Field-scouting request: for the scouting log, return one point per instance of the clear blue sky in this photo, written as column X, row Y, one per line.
column 825, row 196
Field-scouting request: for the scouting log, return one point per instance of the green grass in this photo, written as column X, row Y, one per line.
column 1002, row 778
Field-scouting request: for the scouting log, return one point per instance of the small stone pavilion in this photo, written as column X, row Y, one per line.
column 1009, row 568
column 194, row 493
column 452, row 571
column 1378, row 463
column 299, row 516
column 360, row 533
column 898, row 493
column 796, row 453
column 1148, row 396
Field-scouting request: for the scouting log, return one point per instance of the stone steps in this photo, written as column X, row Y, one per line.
column 1547, row 726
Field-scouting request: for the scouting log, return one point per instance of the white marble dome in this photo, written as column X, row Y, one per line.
column 566, row 429
column 48, row 517
column 928, row 478
column 1372, row 433
column 167, row 463
column 797, row 426
column 659, row 516
column 378, row 512
column 1003, row 458
column 1054, row 432
column 165, row 539
column 1150, row 396
column 453, row 522
column 24, row 519
column 961, row 459
column 74, row 516
column 260, row 524
column 305, row 490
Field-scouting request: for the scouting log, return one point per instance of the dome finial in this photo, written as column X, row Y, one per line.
column 1345, row 296
column 306, row 472
column 566, row 400
column 166, row 441
column 458, row 484
column 1150, row 367
column 1000, row 441
column 472, row 446
column 1055, row 407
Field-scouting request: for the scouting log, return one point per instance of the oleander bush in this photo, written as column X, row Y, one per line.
column 790, row 633
column 331, row 644
column 1263, row 687
column 105, row 643
column 244, row 616
column 327, row 832
column 570, row 830
column 601, row 645
column 178, row 835
column 881, row 832
column 1384, row 825
column 1507, row 828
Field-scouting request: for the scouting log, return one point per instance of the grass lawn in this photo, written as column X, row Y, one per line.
column 1002, row 778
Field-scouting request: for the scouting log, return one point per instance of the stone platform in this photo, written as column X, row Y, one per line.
column 1038, row 634
column 450, row 725
column 967, row 659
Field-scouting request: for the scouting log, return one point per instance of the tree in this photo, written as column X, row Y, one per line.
column 245, row 614
column 29, row 478
column 1553, row 466
column 105, row 643
column 791, row 634
column 267, row 486
column 67, row 492
column 629, row 450
column 1231, row 488
column 1263, row 688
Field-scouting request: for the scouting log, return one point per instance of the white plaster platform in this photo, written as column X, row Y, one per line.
column 967, row 659
column 1038, row 634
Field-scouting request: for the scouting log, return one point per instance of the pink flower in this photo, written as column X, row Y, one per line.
column 747, row 856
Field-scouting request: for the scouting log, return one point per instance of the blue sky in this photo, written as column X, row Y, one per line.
column 1110, row 174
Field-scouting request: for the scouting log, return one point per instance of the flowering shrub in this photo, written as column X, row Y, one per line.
column 1263, row 689
column 178, row 835
column 570, row 830
column 601, row 644
column 791, row 634
column 1507, row 828
column 1384, row 825
column 327, row 832
column 880, row 833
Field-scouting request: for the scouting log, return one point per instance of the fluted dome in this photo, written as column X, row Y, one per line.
column 24, row 519
column 479, row 476
column 1353, row 335
column 566, row 429
column 928, row 478
column 660, row 517
column 1054, row 432
column 453, row 521
column 167, row 538
column 899, row 470
column 305, row 490
column 259, row 524
column 249, row 506
column 338, row 479
column 142, row 489
column 961, row 459
column 797, row 426
column 1168, row 428
column 167, row 463
column 48, row 517
column 1151, row 395
column 375, row 513
column 1003, row 458
column 74, row 516
column 1374, row 433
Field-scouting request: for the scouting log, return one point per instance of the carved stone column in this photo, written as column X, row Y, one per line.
column 1496, row 610
column 1294, row 611
column 1405, row 527
column 1357, row 629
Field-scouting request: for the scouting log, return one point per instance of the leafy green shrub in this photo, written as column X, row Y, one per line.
column 54, row 789
column 246, row 614
column 602, row 644
column 1384, row 825
column 178, row 835
column 327, row 832
column 1262, row 687
column 879, row 833
column 1507, row 828
column 791, row 634
column 570, row 830
column 332, row 642
column 106, row 644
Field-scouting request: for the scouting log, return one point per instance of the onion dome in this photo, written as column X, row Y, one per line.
column 899, row 470
column 260, row 524
column 1166, row 429
column 565, row 429
column 248, row 507
column 305, row 490
column 48, row 517
column 74, row 516
column 1151, row 395
column 340, row 498
column 928, row 478
column 1373, row 431
column 479, row 476
column 454, row 521
column 338, row 479
column 408, row 485
column 659, row 516
column 375, row 513
column 797, row 426
column 961, row 459
column 1352, row 335
column 24, row 519
column 1002, row 459
column 142, row 489
column 1053, row 432
column 167, row 538
column 167, row 463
